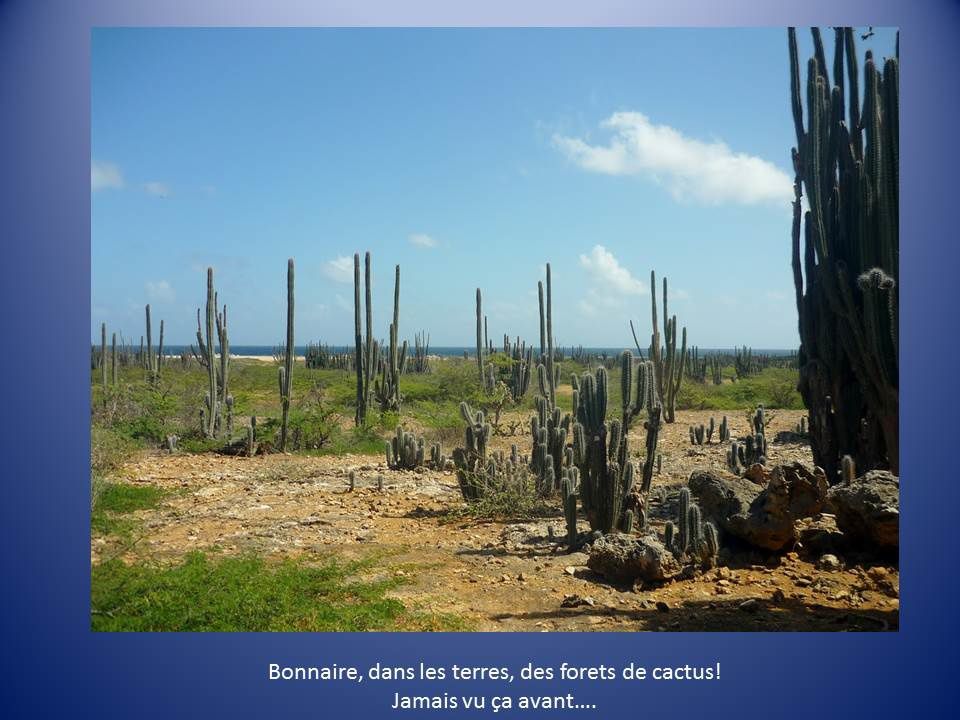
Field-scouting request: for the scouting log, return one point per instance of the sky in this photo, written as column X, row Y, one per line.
column 470, row 157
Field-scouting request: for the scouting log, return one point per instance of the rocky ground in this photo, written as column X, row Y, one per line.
column 496, row 575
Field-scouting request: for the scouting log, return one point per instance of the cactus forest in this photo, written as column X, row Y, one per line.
column 530, row 479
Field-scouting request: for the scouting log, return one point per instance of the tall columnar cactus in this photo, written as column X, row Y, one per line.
column 151, row 365
column 387, row 386
column 481, row 345
column 546, row 372
column 224, row 343
column 113, row 360
column 846, row 278
column 549, row 432
column 668, row 361
column 286, row 371
column 160, row 351
column 569, row 487
column 210, row 418
column 103, row 359
column 367, row 351
column 691, row 539
column 521, row 361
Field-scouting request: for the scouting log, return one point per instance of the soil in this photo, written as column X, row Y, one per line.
column 508, row 576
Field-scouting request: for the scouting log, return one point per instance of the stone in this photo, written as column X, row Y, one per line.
column 761, row 517
column 828, row 562
column 868, row 509
column 624, row 558
column 819, row 534
column 751, row 605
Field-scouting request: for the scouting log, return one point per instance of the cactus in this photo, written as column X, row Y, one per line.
column 477, row 473
column 286, row 370
column 113, row 360
column 210, row 418
column 724, row 430
column 351, row 480
column 848, row 470
column 387, row 387
column 668, row 362
column 691, row 539
column 151, row 369
column 405, row 451
column 549, row 433
column 421, row 353
column 628, row 522
column 438, row 460
column 569, row 488
column 733, row 458
column 521, row 361
column 367, row 351
column 103, row 360
column 846, row 277
column 547, row 374
column 160, row 351
column 380, row 483
column 597, row 447
column 480, row 341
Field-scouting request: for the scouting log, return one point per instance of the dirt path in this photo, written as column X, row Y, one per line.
column 494, row 575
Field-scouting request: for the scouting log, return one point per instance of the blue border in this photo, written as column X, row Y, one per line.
column 54, row 666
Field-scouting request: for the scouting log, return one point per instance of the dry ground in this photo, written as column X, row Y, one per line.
column 493, row 575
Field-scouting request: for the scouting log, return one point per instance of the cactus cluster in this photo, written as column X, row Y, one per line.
column 386, row 387
column 700, row 434
column 600, row 451
column 521, row 362
column 478, row 472
column 405, row 451
column 421, row 354
column 668, row 360
column 846, row 274
column 320, row 356
column 691, row 539
column 547, row 458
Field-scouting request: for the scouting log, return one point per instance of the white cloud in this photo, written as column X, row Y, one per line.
column 609, row 281
column 160, row 291
column 706, row 172
column 422, row 240
column 158, row 189
column 339, row 269
column 104, row 176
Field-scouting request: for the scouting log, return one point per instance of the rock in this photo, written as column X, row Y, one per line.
column 572, row 601
column 778, row 596
column 761, row 517
column 829, row 562
column 868, row 509
column 662, row 606
column 819, row 534
column 751, row 605
column 757, row 474
column 624, row 558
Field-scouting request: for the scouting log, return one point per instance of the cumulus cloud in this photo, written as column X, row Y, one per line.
column 422, row 240
column 609, row 281
column 157, row 189
column 692, row 170
column 340, row 269
column 105, row 176
column 160, row 291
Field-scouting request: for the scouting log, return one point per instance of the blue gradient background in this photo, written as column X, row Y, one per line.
column 54, row 666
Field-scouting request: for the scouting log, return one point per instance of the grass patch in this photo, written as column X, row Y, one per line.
column 247, row 594
column 114, row 500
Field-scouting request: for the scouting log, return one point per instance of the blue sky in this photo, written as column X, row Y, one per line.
column 469, row 157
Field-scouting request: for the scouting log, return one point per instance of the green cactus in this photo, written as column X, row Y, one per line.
column 405, row 451
column 210, row 418
column 103, row 360
column 724, row 430
column 480, row 341
column 846, row 277
column 569, row 487
column 669, row 363
column 367, row 351
column 113, row 360
column 151, row 369
column 387, row 386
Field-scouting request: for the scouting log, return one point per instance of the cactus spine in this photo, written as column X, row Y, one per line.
column 846, row 278
column 286, row 371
